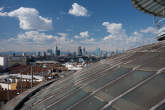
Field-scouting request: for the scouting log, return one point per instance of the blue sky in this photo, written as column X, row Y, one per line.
column 34, row 25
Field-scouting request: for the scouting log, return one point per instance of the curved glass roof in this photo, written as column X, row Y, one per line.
column 154, row 7
column 133, row 80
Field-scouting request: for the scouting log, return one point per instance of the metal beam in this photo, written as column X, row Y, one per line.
column 150, row 6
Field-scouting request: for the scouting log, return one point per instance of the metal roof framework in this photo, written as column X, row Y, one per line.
column 133, row 80
column 154, row 7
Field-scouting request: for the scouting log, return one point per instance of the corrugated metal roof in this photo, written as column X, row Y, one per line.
column 154, row 7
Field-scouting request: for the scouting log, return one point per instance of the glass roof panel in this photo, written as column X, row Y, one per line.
column 68, row 101
column 144, row 97
column 113, row 90
column 79, row 94
column 109, row 108
column 94, row 103
column 162, row 107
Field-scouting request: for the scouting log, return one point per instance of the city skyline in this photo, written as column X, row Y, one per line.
column 40, row 25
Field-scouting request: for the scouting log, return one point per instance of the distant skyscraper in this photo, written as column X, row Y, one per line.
column 105, row 54
column 45, row 54
column 42, row 54
column 54, row 51
column 14, row 54
column 49, row 52
column 79, row 51
column 84, row 51
column 98, row 51
column 23, row 54
column 74, row 54
column 57, row 51
column 38, row 54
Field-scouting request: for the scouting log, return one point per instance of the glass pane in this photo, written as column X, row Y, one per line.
column 92, row 104
column 162, row 107
column 75, row 97
column 109, row 77
column 68, row 101
column 144, row 97
column 109, row 108
column 113, row 90
column 122, row 85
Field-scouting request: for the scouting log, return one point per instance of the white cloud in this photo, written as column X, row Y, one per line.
column 62, row 34
column 108, row 37
column 115, row 31
column 78, row 10
column 90, row 40
column 113, row 28
column 82, row 35
column 119, row 39
column 29, row 19
column 34, row 37
column 77, row 37
column 149, row 30
column 37, row 41
column 2, row 13
column 1, row 8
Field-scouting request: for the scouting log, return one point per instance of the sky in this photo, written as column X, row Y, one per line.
column 38, row 25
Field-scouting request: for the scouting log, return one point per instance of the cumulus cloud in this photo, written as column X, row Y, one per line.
column 149, row 30
column 29, row 19
column 115, row 31
column 62, row 34
column 3, row 13
column 119, row 39
column 113, row 28
column 1, row 8
column 78, row 10
column 36, row 41
column 34, row 37
column 108, row 37
column 82, row 35
column 90, row 40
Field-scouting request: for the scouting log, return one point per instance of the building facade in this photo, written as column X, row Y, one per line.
column 3, row 62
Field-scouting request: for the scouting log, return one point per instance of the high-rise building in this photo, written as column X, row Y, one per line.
column 54, row 51
column 49, row 52
column 105, row 54
column 84, row 51
column 14, row 54
column 23, row 54
column 45, row 54
column 42, row 53
column 3, row 62
column 74, row 54
column 79, row 51
column 38, row 54
column 98, row 52
column 57, row 51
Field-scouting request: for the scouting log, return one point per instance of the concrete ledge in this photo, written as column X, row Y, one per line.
column 17, row 102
